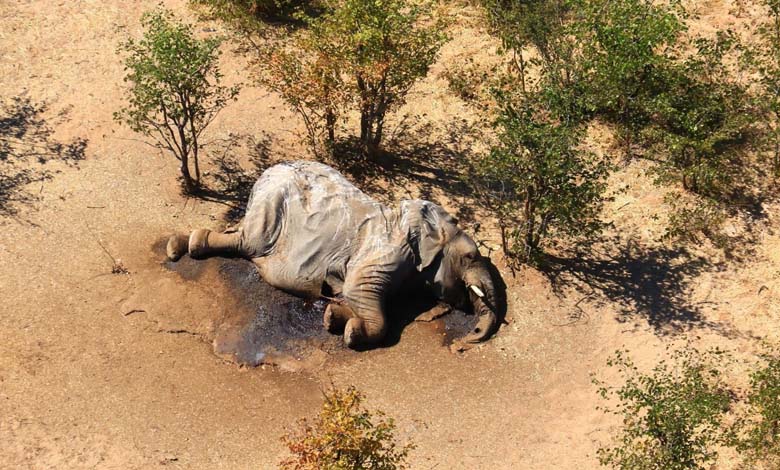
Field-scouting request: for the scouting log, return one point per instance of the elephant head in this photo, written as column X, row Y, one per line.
column 458, row 272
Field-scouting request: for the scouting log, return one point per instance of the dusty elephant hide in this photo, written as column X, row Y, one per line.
column 314, row 234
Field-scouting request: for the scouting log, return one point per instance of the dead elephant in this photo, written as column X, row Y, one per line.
column 310, row 232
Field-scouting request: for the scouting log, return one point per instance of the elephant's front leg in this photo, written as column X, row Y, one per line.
column 366, row 287
column 365, row 296
column 438, row 311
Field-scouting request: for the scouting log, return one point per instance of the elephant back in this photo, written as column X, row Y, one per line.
column 310, row 221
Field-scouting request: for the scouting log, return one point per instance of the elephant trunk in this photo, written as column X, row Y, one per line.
column 482, row 295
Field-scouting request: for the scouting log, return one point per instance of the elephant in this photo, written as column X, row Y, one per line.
column 312, row 233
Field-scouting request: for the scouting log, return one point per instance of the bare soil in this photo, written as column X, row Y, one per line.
column 102, row 369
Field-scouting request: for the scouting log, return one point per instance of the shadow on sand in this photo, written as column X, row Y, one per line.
column 653, row 284
column 411, row 160
column 229, row 182
column 27, row 145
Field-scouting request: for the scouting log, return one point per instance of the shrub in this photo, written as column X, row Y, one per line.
column 671, row 415
column 692, row 218
column 345, row 436
column 626, row 43
column 369, row 52
column 547, row 27
column 703, row 121
column 763, row 59
column 758, row 431
column 539, row 181
column 307, row 76
column 174, row 88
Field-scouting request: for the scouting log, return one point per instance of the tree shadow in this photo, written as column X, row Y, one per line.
column 412, row 158
column 652, row 284
column 27, row 145
column 231, row 180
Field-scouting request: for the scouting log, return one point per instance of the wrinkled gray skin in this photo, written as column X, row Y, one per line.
column 313, row 234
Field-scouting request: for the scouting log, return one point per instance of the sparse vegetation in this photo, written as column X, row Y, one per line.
column 672, row 415
column 763, row 58
column 174, row 89
column 693, row 219
column 757, row 436
column 360, row 55
column 346, row 436
column 539, row 180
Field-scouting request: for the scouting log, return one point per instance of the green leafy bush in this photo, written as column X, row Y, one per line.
column 763, row 59
column 758, row 432
column 672, row 416
column 547, row 27
column 367, row 54
column 703, row 121
column 626, row 44
column 539, row 180
column 346, row 436
column 693, row 218
column 174, row 88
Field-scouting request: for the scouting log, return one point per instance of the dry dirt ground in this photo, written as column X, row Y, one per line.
column 101, row 370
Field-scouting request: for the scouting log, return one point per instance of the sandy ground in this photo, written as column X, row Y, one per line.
column 85, row 383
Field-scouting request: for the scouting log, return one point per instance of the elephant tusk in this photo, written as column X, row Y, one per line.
column 477, row 291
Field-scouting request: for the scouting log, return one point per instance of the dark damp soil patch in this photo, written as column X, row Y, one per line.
column 280, row 323
column 404, row 310
column 188, row 268
column 270, row 326
column 456, row 325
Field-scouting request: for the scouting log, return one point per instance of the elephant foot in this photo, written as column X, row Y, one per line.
column 353, row 333
column 177, row 247
column 198, row 243
column 360, row 333
column 336, row 317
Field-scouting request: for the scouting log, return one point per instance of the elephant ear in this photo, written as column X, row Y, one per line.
column 436, row 229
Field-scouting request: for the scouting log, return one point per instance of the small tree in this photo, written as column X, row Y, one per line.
column 345, row 436
column 369, row 52
column 763, row 58
column 758, row 432
column 703, row 121
column 671, row 416
column 306, row 75
column 546, row 28
column 539, row 180
column 626, row 43
column 175, row 90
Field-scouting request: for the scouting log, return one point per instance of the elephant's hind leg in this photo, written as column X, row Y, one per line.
column 204, row 243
